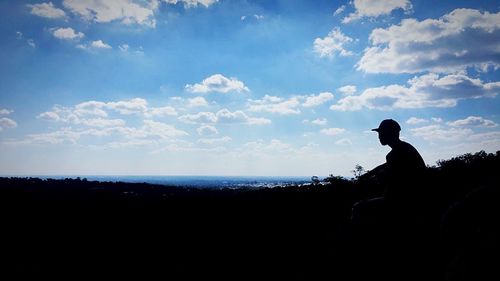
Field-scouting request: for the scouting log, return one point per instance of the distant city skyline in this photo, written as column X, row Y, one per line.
column 242, row 87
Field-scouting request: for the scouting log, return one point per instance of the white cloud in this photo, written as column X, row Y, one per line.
column 102, row 122
column 315, row 100
column 439, row 133
column 67, row 33
column 207, row 130
column 226, row 116
column 99, row 44
column 463, row 38
column 49, row 116
column 258, row 121
column 488, row 137
column 31, row 43
column 215, row 140
column 217, row 83
column 162, row 130
column 201, row 117
column 193, row 3
column 7, row 123
column 161, row 111
column 344, row 141
column 332, row 44
column 339, row 10
column 133, row 106
column 428, row 90
column 258, row 17
column 197, row 101
column 90, row 108
column 46, row 10
column 473, row 121
column 124, row 47
column 415, row 120
column 347, row 90
column 370, row 8
column 223, row 116
column 101, row 11
column 274, row 104
column 4, row 111
column 320, row 122
column 332, row 131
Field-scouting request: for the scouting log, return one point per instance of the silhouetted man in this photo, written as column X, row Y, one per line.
column 385, row 228
column 401, row 176
column 404, row 167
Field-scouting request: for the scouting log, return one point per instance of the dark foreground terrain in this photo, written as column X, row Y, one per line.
column 84, row 229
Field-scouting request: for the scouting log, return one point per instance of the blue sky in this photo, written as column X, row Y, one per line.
column 230, row 87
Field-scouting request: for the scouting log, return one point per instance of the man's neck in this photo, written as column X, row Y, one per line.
column 394, row 143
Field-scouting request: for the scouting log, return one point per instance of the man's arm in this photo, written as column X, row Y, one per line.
column 375, row 172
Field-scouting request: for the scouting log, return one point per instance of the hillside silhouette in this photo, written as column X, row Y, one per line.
column 75, row 228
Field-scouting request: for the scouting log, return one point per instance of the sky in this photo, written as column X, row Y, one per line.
column 242, row 87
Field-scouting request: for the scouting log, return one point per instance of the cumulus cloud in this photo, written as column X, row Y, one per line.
column 94, row 45
column 46, row 10
column 315, row 100
column 102, row 122
column 197, row 101
column 162, row 130
column 319, row 121
column 200, row 117
column 430, row 90
column 273, row 104
column 370, row 8
column 4, row 111
column 223, row 116
column 215, row 140
column 217, row 83
column 344, row 141
column 332, row 131
column 99, row 44
column 193, row 3
column 49, row 116
column 347, row 90
column 91, row 108
column 477, row 121
column 339, row 10
column 7, row 123
column 415, row 121
column 463, row 38
column 161, row 111
column 132, row 106
column 226, row 116
column 440, row 133
column 332, row 44
column 207, row 130
column 101, row 11
column 67, row 33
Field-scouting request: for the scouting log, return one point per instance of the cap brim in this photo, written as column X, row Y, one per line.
column 376, row 129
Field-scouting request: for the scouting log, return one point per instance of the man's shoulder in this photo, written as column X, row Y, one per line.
column 407, row 146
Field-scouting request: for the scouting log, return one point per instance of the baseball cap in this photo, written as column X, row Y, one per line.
column 388, row 125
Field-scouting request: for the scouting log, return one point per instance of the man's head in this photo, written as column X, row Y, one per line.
column 388, row 131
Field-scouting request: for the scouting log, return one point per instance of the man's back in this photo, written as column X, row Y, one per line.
column 405, row 169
